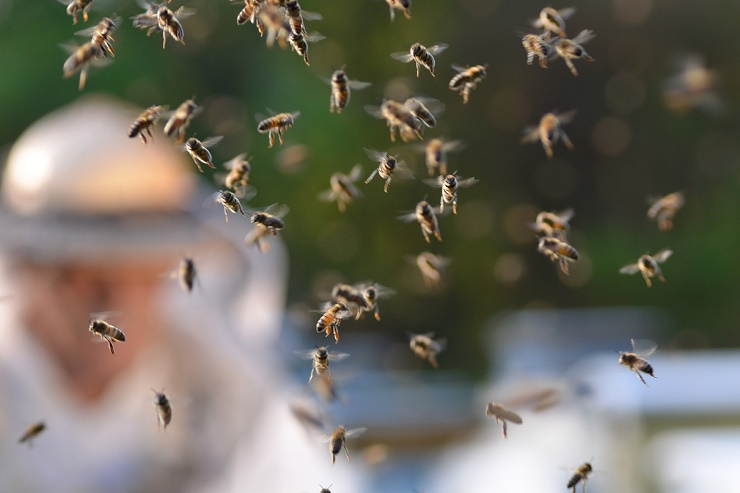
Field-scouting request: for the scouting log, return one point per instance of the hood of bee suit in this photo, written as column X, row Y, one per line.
column 76, row 187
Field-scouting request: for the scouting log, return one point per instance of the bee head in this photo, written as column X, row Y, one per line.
column 339, row 76
column 416, row 49
column 450, row 181
column 192, row 143
column 258, row 217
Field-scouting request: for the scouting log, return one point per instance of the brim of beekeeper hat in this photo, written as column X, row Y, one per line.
column 77, row 188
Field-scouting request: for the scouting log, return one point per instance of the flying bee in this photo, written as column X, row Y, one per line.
column 74, row 7
column 102, row 34
column 370, row 295
column 538, row 45
column 420, row 108
column 81, row 58
column 449, row 185
column 164, row 409
column 342, row 188
column 297, row 16
column 571, row 49
column 424, row 214
column 144, row 123
column 423, row 56
column 270, row 221
column 402, row 5
column 436, row 155
column 692, row 86
column 397, row 116
column 199, row 151
column 554, row 225
column 634, row 360
column 180, row 119
column 340, row 86
column 557, row 251
column 502, row 415
column 32, row 432
column 664, row 209
column 229, row 202
column 338, row 440
column 549, row 131
column 159, row 17
column 106, row 331
column 389, row 166
column 332, row 316
column 299, row 43
column 553, row 21
column 186, row 274
column 321, row 358
column 426, row 347
column 467, row 79
column 238, row 177
column 580, row 476
column 432, row 268
column 277, row 125
column 648, row 266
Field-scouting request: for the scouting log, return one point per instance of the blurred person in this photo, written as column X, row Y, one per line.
column 93, row 221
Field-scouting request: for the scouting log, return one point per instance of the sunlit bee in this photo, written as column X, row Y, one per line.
column 580, row 476
column 199, row 151
column 332, row 316
column 81, row 57
column 389, row 166
column 186, row 274
column 340, row 90
column 74, row 7
column 467, row 79
column 436, row 155
column 299, row 43
column 320, row 358
column 297, row 16
column 342, row 188
column 693, row 86
column 397, row 116
column 402, row 5
column 107, row 332
column 338, row 440
column 538, row 45
column 32, row 432
column 432, row 268
column 422, row 109
column 267, row 222
column 502, row 415
column 557, row 251
column 277, row 125
column 238, row 177
column 449, row 185
column 160, row 17
column 249, row 12
column 424, row 214
column 572, row 49
column 164, row 409
column 421, row 55
column 664, row 209
column 635, row 360
column 426, row 347
column 648, row 266
column 371, row 293
column 180, row 119
column 553, row 21
column 102, row 34
column 143, row 124
column 549, row 131
column 553, row 224
column 229, row 201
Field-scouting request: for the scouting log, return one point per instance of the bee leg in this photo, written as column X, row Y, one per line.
column 226, row 215
column 142, row 137
column 84, row 15
column 571, row 67
column 336, row 337
column 377, row 313
column 432, row 361
column 346, row 452
column 372, row 175
column 280, row 135
column 417, row 68
column 566, row 141
column 407, row 14
column 543, row 62
column 454, row 206
column 438, row 235
column 426, row 236
column 83, row 77
column 387, row 184
column 647, row 280
column 641, row 379
column 110, row 346
column 442, row 204
column 270, row 139
column 164, row 38
column 311, row 377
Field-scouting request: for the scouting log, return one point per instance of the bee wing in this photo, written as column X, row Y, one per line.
column 566, row 215
column 104, row 316
column 327, row 196
column 374, row 111
column 211, row 141
column 184, row 12
column 403, row 171
column 278, row 210
column 310, row 16
column 231, row 163
column 433, row 105
column 355, row 432
column 566, row 117
column 531, row 134
column 408, row 218
column 338, row 356
column 629, row 269
column 402, row 56
column 435, row 182
column 584, row 36
column 467, row 182
column 437, row 49
column 662, row 256
column 87, row 31
column 354, row 175
column 213, row 201
column 245, row 194
column 643, row 347
column 314, row 37
column 459, row 68
column 374, row 155
column 358, row 85
column 307, row 354
column 566, row 12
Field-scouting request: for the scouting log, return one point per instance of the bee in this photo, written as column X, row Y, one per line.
column 81, row 57
column 693, row 86
column 388, row 167
column 432, row 268
column 402, row 5
column 180, row 119
column 421, row 55
column 238, row 177
column 144, row 123
column 229, row 201
column 332, row 316
column 557, row 251
column 186, row 274
column 436, row 155
column 426, row 347
column 502, row 415
column 424, row 214
column 297, row 16
column 648, row 266
column 571, row 49
column 467, row 79
column 160, row 17
column 397, row 116
column 361, row 297
column 32, row 432
column 102, row 34
column 74, row 7
column 199, row 151
column 549, row 131
column 249, row 12
column 325, row 490
column 272, row 18
column 663, row 210
column 580, row 475
column 321, row 358
column 277, row 125
column 553, row 21
column 299, row 43
column 106, row 331
column 538, row 45
column 338, row 440
column 342, row 188
column 340, row 86
column 554, row 225
column 634, row 360
column 418, row 108
column 449, row 185
column 164, row 409
column 270, row 221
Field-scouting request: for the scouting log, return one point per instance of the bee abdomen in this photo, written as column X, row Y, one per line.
column 574, row 480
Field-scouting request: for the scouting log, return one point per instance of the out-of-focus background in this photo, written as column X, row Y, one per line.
column 512, row 321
